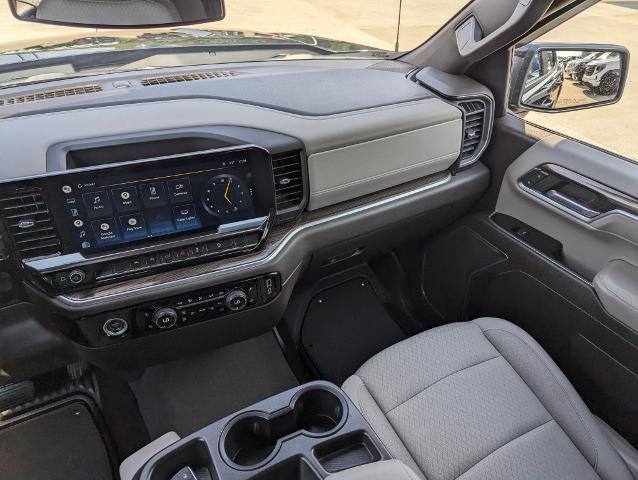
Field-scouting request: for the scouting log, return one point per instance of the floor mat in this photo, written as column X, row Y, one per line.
column 186, row 395
column 344, row 326
column 59, row 444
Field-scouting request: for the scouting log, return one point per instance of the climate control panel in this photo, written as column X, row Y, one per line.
column 179, row 311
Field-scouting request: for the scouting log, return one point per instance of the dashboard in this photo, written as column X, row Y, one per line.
column 194, row 218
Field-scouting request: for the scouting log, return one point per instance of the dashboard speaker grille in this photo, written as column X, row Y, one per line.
column 28, row 223
column 289, row 181
column 473, row 128
column 189, row 77
column 67, row 92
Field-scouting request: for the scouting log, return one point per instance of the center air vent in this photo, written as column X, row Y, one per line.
column 288, row 174
column 474, row 131
column 67, row 92
column 28, row 223
column 188, row 77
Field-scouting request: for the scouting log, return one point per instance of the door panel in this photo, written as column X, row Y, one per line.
column 589, row 244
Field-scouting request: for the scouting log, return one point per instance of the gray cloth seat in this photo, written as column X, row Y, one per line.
column 481, row 400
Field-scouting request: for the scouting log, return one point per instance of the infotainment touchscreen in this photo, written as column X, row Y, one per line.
column 110, row 206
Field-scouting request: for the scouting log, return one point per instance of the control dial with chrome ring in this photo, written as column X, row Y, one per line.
column 236, row 300
column 164, row 318
column 115, row 327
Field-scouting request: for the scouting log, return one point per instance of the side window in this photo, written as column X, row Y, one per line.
column 611, row 127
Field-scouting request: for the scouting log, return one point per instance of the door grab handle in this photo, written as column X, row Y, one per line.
column 572, row 204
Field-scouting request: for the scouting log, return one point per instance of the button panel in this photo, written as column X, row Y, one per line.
column 175, row 256
column 208, row 303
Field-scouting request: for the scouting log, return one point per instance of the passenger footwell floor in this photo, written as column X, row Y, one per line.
column 344, row 326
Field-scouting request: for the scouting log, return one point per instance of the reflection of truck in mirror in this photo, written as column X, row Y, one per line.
column 602, row 74
column 576, row 68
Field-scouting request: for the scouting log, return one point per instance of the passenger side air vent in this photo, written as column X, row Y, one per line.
column 288, row 172
column 475, row 133
column 67, row 92
column 28, row 223
column 188, row 77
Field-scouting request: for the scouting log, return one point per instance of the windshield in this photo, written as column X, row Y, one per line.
column 253, row 30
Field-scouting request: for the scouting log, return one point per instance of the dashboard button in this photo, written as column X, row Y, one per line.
column 126, row 199
column 153, row 195
column 185, row 217
column 179, row 190
column 106, row 231
column 97, row 204
column 62, row 279
column 133, row 226
column 219, row 245
column 77, row 276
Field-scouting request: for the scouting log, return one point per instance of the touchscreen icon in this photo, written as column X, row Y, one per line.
column 153, row 195
column 78, row 223
column 105, row 227
column 125, row 195
column 132, row 221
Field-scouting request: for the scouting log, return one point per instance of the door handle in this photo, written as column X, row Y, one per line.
column 572, row 204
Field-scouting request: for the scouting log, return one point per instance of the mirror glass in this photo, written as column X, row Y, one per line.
column 563, row 79
column 118, row 13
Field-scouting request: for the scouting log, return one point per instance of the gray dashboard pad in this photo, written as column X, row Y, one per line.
column 363, row 129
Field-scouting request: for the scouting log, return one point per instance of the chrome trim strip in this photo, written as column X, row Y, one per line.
column 261, row 261
column 242, row 225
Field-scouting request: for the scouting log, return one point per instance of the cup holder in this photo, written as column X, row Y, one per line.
column 252, row 438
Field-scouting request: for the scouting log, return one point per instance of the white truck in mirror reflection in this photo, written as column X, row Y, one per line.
column 602, row 75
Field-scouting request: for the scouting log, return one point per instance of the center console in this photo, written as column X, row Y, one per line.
column 305, row 433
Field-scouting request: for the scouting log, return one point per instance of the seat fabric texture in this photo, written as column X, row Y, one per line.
column 481, row 400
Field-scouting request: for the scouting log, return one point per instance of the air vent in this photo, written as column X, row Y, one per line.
column 67, row 92
column 474, row 134
column 29, row 224
column 189, row 77
column 289, row 183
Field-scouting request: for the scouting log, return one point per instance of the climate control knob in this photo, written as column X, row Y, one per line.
column 164, row 318
column 236, row 300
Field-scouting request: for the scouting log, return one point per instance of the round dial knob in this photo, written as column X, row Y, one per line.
column 77, row 276
column 115, row 327
column 164, row 318
column 236, row 299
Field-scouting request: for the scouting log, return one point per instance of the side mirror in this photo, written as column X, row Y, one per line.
column 563, row 77
column 118, row 14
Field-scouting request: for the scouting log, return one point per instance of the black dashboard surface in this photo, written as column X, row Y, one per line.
column 311, row 88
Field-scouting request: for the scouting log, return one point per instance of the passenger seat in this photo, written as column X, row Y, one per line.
column 481, row 400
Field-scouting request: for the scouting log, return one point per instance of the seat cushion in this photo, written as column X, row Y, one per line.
column 478, row 400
